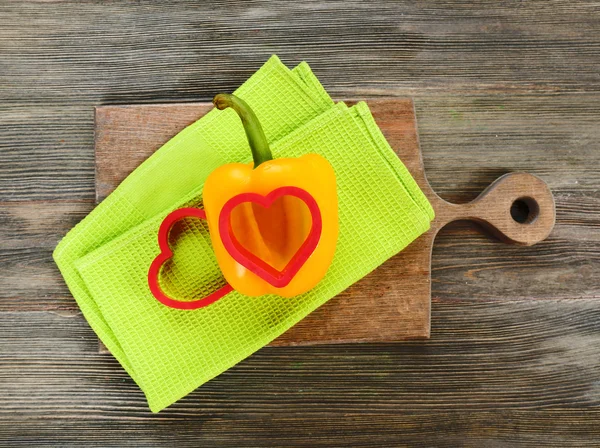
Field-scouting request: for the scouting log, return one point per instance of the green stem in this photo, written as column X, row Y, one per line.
column 254, row 131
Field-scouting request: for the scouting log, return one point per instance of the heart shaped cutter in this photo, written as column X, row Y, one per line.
column 166, row 253
column 250, row 261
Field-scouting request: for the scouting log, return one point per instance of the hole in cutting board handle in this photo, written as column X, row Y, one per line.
column 524, row 210
column 517, row 208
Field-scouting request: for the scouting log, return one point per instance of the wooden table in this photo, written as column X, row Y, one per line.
column 514, row 358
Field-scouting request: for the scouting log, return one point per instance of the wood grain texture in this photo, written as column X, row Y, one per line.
column 73, row 55
column 498, row 87
column 495, row 373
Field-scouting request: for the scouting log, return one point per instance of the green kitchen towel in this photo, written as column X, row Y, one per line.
column 105, row 258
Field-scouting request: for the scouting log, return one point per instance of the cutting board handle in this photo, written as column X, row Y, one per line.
column 518, row 208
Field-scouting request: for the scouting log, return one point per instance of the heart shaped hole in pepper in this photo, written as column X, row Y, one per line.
column 272, row 233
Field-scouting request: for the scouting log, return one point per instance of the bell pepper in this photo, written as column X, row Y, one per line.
column 274, row 222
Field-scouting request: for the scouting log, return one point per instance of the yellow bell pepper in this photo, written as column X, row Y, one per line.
column 278, row 217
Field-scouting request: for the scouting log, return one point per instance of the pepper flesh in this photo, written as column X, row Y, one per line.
column 275, row 233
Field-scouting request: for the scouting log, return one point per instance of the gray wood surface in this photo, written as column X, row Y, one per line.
column 514, row 358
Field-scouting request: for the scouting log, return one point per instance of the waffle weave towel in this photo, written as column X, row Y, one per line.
column 105, row 258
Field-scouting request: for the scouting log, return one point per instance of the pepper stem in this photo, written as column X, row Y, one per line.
column 254, row 131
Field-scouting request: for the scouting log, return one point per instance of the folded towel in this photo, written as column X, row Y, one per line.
column 105, row 258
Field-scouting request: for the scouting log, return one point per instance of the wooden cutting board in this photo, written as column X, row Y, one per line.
column 393, row 302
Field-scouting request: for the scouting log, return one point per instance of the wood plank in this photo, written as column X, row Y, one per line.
column 467, row 142
column 29, row 232
column 494, row 373
column 45, row 153
column 61, row 61
column 77, row 52
column 513, row 428
column 39, row 224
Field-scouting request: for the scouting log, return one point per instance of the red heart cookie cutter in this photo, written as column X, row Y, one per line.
column 250, row 261
column 166, row 253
